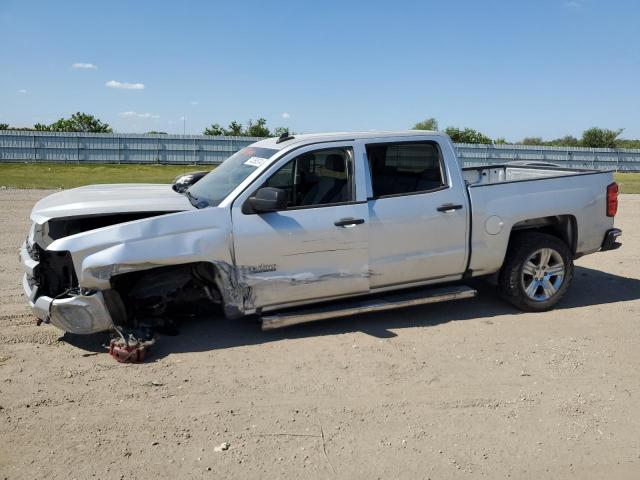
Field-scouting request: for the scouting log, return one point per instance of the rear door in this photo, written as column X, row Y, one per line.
column 316, row 248
column 418, row 212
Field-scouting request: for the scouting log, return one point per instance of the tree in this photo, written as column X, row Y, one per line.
column 78, row 122
column 428, row 124
column 468, row 135
column 566, row 141
column 153, row 132
column 532, row 141
column 214, row 130
column 4, row 126
column 235, row 130
column 278, row 131
column 258, row 129
column 623, row 143
column 600, row 138
column 500, row 141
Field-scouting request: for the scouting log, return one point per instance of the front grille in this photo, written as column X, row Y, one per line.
column 32, row 251
column 55, row 273
column 32, row 281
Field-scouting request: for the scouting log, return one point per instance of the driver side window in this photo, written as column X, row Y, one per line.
column 316, row 178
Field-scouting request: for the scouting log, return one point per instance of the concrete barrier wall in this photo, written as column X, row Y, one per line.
column 570, row 157
column 18, row 146
column 58, row 147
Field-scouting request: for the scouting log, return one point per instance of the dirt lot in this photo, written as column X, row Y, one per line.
column 460, row 390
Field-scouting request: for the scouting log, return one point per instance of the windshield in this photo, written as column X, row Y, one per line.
column 215, row 186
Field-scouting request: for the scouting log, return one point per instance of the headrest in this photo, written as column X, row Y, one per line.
column 334, row 162
column 304, row 162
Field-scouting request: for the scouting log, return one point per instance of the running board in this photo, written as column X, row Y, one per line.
column 356, row 307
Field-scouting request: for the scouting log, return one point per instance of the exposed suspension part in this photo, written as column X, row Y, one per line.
column 128, row 348
column 150, row 301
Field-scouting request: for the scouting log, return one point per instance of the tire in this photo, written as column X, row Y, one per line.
column 537, row 271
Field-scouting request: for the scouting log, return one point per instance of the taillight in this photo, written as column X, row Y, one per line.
column 612, row 200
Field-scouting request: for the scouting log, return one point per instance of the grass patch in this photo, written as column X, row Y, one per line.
column 53, row 175
column 628, row 182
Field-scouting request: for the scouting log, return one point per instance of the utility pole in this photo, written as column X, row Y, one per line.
column 184, row 131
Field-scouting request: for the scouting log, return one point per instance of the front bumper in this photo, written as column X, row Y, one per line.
column 609, row 242
column 80, row 313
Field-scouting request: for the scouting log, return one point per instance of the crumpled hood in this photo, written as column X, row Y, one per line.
column 112, row 198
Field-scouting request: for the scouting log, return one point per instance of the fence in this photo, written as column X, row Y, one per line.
column 55, row 147
column 62, row 147
column 570, row 157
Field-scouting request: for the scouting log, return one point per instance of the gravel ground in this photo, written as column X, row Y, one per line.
column 468, row 389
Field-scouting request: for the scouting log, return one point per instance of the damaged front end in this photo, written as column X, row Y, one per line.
column 51, row 286
column 138, row 305
column 142, row 298
column 131, row 259
column 136, row 273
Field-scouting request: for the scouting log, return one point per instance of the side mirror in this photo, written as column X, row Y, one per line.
column 184, row 181
column 267, row 199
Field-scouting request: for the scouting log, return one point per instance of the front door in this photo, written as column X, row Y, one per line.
column 317, row 247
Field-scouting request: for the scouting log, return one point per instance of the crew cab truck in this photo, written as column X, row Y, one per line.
column 306, row 227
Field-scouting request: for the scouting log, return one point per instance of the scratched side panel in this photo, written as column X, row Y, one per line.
column 297, row 255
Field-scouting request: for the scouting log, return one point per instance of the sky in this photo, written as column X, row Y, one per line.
column 511, row 68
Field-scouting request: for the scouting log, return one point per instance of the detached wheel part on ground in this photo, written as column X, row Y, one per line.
column 537, row 271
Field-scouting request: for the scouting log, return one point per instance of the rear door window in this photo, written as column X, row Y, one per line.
column 405, row 168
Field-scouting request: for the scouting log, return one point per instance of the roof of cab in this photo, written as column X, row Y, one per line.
column 338, row 136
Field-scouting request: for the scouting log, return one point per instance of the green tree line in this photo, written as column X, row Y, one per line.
column 78, row 122
column 253, row 129
column 84, row 122
column 594, row 137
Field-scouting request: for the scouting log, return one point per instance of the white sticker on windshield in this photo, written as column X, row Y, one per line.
column 255, row 161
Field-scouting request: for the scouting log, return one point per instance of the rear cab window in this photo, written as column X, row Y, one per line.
column 405, row 168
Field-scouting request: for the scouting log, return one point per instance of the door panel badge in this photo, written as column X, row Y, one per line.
column 262, row 268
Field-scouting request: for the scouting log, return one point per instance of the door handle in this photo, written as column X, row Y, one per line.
column 448, row 207
column 349, row 222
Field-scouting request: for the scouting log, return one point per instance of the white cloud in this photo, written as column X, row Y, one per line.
column 124, row 85
column 86, row 66
column 22, row 90
column 138, row 115
column 573, row 4
column 286, row 115
column 193, row 102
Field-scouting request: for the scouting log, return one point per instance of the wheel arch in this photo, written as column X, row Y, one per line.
column 216, row 275
column 563, row 227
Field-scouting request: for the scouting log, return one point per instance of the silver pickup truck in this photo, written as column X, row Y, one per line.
column 306, row 227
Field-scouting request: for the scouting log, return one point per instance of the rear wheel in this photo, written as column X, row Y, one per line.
column 537, row 271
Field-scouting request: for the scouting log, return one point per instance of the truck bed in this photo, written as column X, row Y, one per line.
column 512, row 173
column 504, row 196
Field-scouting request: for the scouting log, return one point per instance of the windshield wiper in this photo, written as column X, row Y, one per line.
column 194, row 200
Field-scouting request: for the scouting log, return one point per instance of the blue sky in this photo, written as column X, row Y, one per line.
column 508, row 68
